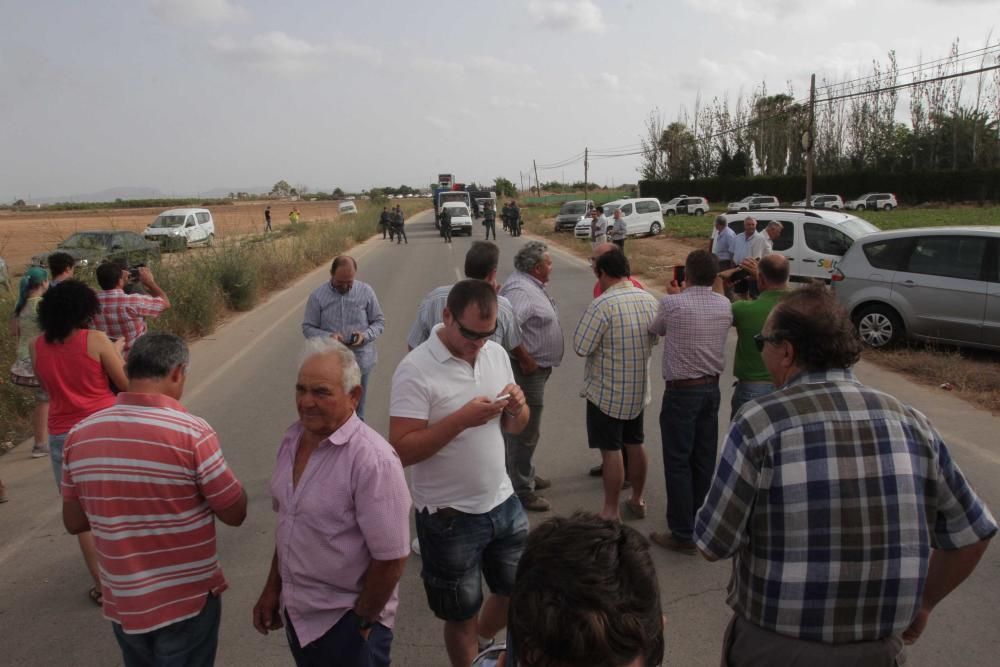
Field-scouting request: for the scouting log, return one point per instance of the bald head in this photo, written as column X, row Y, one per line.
column 772, row 272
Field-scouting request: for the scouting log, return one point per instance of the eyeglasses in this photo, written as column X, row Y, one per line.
column 469, row 334
column 760, row 339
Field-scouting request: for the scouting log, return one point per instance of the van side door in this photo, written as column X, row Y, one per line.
column 822, row 247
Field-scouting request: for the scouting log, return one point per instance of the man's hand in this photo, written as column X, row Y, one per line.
column 146, row 277
column 359, row 339
column 267, row 611
column 674, row 288
column 516, row 402
column 750, row 266
column 912, row 633
column 528, row 365
column 481, row 410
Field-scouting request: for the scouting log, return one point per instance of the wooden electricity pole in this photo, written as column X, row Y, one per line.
column 538, row 184
column 586, row 168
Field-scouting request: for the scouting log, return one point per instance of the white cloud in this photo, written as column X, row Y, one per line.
column 762, row 12
column 198, row 11
column 347, row 47
column 608, row 80
column 438, row 122
column 498, row 102
column 273, row 51
column 438, row 68
column 567, row 15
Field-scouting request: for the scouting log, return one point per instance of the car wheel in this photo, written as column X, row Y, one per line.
column 888, row 207
column 669, row 213
column 699, row 211
column 654, row 228
column 878, row 326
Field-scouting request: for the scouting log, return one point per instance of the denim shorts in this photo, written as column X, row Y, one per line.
column 459, row 549
column 56, row 443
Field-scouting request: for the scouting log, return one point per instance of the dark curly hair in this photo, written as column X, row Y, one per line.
column 68, row 306
column 818, row 327
column 586, row 593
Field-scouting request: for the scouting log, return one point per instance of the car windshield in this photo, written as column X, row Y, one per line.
column 164, row 221
column 458, row 211
column 746, row 199
column 609, row 209
column 573, row 208
column 865, row 195
column 856, row 227
column 87, row 242
column 673, row 201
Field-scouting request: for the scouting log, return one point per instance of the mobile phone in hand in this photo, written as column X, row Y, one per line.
column 501, row 397
column 679, row 275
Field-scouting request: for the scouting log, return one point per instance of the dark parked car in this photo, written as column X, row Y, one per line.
column 91, row 248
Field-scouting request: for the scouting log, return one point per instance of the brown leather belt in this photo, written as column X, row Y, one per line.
column 691, row 382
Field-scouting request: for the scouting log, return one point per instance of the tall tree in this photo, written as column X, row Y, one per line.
column 653, row 163
column 678, row 144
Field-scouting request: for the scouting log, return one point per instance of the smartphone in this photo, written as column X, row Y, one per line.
column 742, row 274
column 679, row 275
column 501, row 397
column 354, row 339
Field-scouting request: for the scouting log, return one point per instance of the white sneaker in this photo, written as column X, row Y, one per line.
column 39, row 450
column 415, row 546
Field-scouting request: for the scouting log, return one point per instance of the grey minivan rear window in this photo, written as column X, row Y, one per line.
column 888, row 254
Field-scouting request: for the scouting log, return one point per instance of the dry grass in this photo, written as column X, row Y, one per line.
column 973, row 375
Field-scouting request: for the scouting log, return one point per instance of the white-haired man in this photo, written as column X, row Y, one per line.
column 336, row 482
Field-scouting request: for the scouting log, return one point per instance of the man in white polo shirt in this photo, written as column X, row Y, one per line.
column 451, row 397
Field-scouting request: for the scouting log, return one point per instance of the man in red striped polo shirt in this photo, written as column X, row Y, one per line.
column 148, row 479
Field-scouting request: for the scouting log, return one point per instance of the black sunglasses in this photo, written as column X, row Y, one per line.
column 760, row 339
column 469, row 334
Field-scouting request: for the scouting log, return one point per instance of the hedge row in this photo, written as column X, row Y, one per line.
column 911, row 188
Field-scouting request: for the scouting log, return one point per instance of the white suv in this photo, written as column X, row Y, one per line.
column 873, row 201
column 179, row 228
column 754, row 202
column 822, row 201
column 685, row 204
column 641, row 216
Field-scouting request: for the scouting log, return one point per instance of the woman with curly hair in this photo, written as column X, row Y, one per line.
column 74, row 364
column 24, row 327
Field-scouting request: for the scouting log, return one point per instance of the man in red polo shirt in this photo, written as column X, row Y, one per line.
column 124, row 315
column 148, row 479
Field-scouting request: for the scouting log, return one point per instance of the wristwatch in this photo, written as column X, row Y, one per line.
column 365, row 624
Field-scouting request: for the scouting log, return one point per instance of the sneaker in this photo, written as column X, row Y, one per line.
column 597, row 471
column 39, row 450
column 415, row 546
column 542, row 483
column 534, row 502
column 668, row 541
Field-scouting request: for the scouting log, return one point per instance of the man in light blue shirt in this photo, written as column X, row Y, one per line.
column 723, row 243
column 347, row 310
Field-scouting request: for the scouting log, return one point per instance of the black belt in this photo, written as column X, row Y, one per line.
column 691, row 382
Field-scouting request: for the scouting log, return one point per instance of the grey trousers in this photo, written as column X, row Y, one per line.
column 521, row 447
column 748, row 645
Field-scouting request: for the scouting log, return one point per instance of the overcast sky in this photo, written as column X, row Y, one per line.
column 190, row 95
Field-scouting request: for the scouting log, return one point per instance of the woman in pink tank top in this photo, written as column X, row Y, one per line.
column 74, row 364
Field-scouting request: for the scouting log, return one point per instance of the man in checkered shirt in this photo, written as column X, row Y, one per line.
column 844, row 513
column 613, row 335
column 124, row 315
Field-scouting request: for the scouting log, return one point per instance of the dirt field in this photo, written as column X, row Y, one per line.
column 24, row 234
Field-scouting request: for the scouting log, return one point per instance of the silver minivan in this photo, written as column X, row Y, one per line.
column 935, row 283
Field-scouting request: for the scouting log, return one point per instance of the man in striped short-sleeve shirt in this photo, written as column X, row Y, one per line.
column 148, row 479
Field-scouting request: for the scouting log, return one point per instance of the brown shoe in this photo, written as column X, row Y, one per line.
column 533, row 502
column 668, row 541
column 634, row 510
column 542, row 483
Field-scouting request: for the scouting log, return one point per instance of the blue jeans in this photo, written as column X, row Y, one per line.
column 56, row 443
column 458, row 549
column 747, row 391
column 188, row 643
column 689, row 426
column 342, row 645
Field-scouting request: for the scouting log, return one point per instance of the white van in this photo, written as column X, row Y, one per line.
column 814, row 241
column 180, row 228
column 347, row 207
column 642, row 216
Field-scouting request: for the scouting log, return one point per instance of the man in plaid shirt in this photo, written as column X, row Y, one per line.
column 613, row 335
column 124, row 315
column 844, row 513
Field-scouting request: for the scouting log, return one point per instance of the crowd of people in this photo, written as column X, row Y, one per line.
column 846, row 519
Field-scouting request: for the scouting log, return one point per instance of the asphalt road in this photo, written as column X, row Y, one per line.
column 241, row 381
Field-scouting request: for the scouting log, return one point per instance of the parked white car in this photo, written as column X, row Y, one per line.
column 4, row 276
column 461, row 217
column 754, row 202
column 347, row 207
column 642, row 216
column 873, row 201
column 813, row 241
column 685, row 204
column 180, row 228
column 821, row 201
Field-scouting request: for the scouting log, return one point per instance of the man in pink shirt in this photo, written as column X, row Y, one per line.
column 343, row 533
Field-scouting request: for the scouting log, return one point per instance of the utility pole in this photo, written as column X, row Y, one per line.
column 538, row 184
column 521, row 174
column 586, row 168
column 811, row 140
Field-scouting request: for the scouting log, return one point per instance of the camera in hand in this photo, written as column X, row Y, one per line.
column 354, row 339
column 742, row 274
column 133, row 272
